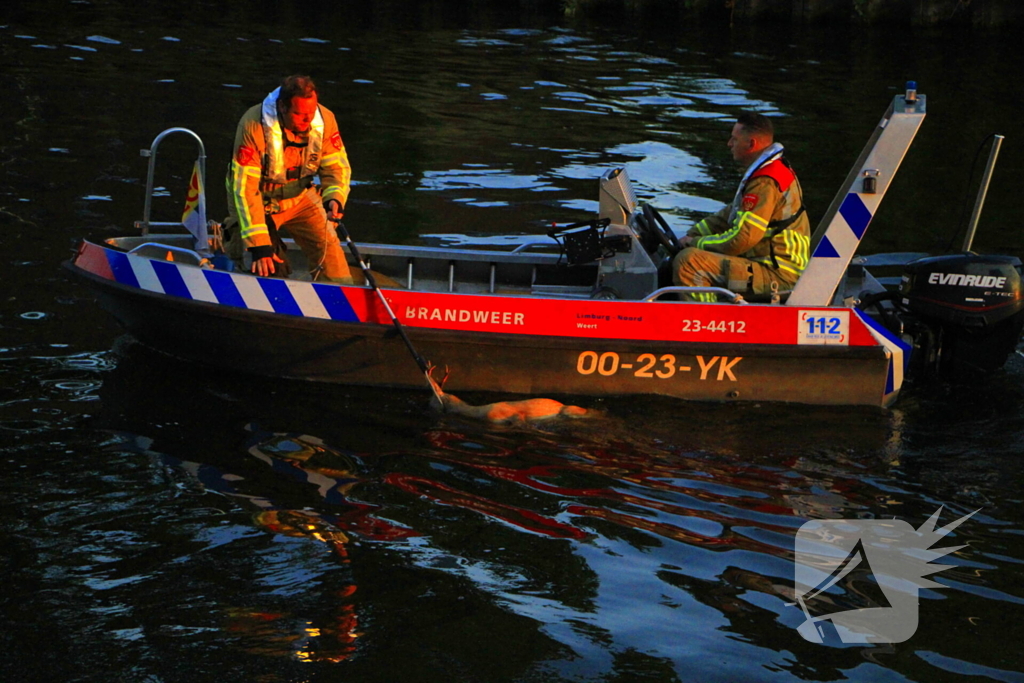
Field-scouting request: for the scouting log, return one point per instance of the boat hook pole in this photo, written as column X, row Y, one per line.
column 424, row 367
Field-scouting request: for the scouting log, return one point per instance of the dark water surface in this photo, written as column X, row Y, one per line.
column 163, row 523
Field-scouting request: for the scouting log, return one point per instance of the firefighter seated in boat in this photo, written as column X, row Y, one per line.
column 762, row 237
column 281, row 145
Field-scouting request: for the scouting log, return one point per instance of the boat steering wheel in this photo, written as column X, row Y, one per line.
column 654, row 225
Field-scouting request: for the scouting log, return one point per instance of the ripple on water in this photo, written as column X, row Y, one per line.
column 655, row 544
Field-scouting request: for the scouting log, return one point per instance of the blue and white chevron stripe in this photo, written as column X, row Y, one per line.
column 272, row 295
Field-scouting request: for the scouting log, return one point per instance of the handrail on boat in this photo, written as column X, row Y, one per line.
column 732, row 296
column 182, row 251
column 145, row 223
column 526, row 245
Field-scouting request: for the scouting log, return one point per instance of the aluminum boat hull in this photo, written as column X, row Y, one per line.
column 509, row 344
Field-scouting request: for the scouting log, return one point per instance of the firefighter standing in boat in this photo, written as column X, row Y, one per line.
column 763, row 236
column 281, row 146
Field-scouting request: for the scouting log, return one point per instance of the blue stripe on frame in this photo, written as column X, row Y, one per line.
column 170, row 279
column 224, row 288
column 855, row 214
column 878, row 327
column 825, row 249
column 281, row 300
column 121, row 268
column 335, row 302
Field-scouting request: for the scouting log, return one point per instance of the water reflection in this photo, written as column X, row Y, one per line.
column 287, row 633
column 588, row 529
column 160, row 515
column 348, row 525
column 440, row 122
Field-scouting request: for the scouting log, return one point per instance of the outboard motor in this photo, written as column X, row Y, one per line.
column 969, row 311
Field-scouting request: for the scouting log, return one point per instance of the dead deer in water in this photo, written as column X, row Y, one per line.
column 503, row 412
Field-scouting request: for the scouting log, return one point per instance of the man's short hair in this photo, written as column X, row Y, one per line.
column 295, row 86
column 756, row 124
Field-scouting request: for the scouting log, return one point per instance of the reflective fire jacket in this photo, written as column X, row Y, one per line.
column 766, row 221
column 268, row 174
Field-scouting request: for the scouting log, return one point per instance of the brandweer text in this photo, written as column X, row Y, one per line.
column 462, row 315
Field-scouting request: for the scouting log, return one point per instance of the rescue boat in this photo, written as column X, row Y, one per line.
column 584, row 310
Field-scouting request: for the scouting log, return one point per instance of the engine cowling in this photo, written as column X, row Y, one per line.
column 972, row 306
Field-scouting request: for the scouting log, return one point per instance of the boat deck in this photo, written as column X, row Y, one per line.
column 519, row 272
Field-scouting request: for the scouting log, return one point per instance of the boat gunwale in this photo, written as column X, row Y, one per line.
column 364, row 328
column 376, row 248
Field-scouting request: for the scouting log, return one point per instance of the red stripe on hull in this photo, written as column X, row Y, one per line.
column 586, row 319
column 93, row 259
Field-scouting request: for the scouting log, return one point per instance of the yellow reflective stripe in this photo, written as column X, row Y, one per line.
column 797, row 247
column 331, row 160
column 702, row 227
column 255, row 229
column 785, row 265
column 754, row 219
column 744, row 216
column 238, row 178
column 803, row 248
column 334, row 192
column 792, row 248
column 703, row 242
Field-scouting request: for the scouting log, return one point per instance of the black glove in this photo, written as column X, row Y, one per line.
column 334, row 209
